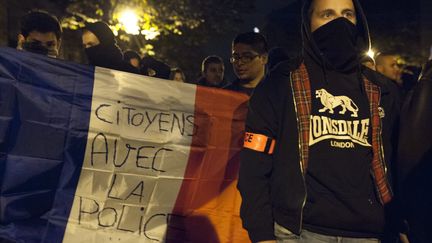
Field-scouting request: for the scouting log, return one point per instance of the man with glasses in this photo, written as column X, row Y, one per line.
column 249, row 59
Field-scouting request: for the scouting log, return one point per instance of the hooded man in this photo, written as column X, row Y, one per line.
column 101, row 48
column 314, row 167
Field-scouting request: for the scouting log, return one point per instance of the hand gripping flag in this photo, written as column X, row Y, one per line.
column 93, row 155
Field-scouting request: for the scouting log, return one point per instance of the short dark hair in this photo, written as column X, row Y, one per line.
column 102, row 31
column 256, row 40
column 208, row 60
column 40, row 21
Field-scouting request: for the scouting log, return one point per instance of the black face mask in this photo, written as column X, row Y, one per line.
column 338, row 43
column 101, row 55
column 38, row 48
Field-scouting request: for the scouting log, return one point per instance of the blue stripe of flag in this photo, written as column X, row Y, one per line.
column 45, row 109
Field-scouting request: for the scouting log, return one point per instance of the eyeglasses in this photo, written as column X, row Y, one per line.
column 246, row 58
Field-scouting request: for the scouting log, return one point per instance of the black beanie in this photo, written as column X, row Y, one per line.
column 102, row 31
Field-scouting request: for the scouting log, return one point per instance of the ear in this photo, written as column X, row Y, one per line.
column 20, row 42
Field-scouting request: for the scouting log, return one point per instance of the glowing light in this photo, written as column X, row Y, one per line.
column 256, row 30
column 371, row 53
column 129, row 21
column 150, row 33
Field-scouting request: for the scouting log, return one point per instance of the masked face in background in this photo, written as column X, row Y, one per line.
column 40, row 43
column 100, row 53
column 103, row 55
column 89, row 39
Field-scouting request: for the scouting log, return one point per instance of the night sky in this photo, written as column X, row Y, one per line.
column 401, row 20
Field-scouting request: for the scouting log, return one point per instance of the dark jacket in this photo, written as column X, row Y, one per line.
column 273, row 186
column 415, row 160
column 109, row 56
column 236, row 86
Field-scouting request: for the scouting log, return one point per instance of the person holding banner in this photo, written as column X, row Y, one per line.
column 318, row 145
column 40, row 33
column 101, row 48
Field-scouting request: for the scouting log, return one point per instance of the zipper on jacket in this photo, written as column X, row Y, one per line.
column 300, row 154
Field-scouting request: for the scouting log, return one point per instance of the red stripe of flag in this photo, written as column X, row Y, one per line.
column 208, row 197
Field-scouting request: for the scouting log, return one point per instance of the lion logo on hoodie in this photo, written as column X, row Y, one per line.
column 330, row 102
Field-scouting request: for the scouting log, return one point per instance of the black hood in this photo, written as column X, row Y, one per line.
column 102, row 31
column 310, row 46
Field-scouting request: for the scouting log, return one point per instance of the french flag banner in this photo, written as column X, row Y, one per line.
column 93, row 155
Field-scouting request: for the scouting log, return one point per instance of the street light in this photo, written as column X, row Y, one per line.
column 129, row 20
column 371, row 53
